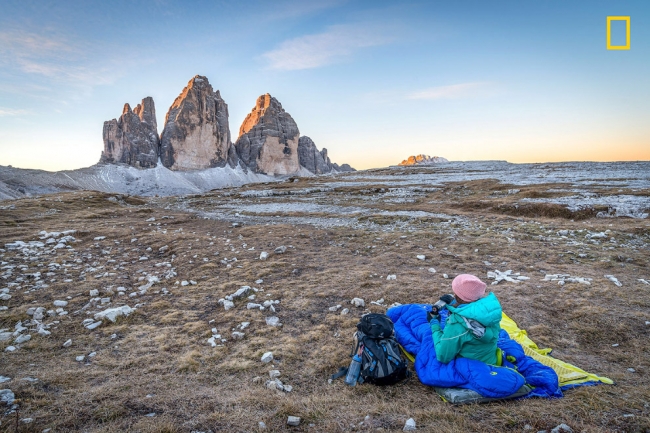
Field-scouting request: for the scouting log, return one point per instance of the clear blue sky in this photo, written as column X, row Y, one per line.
column 373, row 81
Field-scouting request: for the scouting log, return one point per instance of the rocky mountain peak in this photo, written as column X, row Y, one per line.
column 263, row 104
column 268, row 139
column 146, row 111
column 196, row 134
column 423, row 160
column 133, row 138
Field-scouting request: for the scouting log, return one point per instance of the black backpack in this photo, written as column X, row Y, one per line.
column 381, row 360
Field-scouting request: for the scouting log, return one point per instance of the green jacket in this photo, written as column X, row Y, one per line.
column 471, row 331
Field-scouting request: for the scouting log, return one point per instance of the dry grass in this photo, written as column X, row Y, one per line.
column 159, row 360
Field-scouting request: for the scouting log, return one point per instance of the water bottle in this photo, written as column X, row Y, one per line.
column 354, row 369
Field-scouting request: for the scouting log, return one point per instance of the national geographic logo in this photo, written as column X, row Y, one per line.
column 627, row 33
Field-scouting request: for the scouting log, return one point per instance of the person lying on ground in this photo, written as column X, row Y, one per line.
column 472, row 326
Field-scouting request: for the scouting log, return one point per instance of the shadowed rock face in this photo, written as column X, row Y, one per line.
column 268, row 139
column 310, row 158
column 196, row 134
column 317, row 161
column 133, row 138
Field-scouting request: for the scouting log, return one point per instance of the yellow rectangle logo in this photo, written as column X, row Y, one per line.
column 609, row 33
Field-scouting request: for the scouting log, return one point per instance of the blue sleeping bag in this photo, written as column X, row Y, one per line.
column 414, row 334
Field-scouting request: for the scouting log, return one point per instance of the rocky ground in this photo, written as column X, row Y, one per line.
column 120, row 313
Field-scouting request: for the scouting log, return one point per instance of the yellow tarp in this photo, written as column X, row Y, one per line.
column 568, row 374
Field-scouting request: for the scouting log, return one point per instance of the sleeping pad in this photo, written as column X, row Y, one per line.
column 414, row 334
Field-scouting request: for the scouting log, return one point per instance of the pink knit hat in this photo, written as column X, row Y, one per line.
column 468, row 287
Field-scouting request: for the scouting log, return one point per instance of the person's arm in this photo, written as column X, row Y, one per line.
column 448, row 342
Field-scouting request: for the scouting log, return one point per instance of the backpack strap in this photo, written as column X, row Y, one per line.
column 342, row 372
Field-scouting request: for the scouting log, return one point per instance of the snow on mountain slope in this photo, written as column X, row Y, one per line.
column 15, row 182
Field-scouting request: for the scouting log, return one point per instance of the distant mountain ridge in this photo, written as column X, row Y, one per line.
column 423, row 160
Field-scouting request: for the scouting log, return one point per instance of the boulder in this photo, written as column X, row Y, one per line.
column 133, row 138
column 196, row 134
column 113, row 313
column 268, row 139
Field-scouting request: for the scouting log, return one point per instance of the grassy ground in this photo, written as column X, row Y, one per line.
column 157, row 361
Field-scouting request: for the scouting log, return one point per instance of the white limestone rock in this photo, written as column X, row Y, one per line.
column 358, row 302
column 113, row 313
column 614, row 280
column 410, row 425
column 22, row 338
column 293, row 420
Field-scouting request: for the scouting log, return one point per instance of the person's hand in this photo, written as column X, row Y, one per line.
column 431, row 316
column 447, row 299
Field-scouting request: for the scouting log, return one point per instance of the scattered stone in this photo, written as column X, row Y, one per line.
column 185, row 283
column 499, row 276
column 10, row 349
column 421, row 256
column 80, row 358
column 273, row 321
column 238, row 335
column 379, row 302
column 113, row 313
column 7, row 397
column 93, row 325
column 391, row 277
column 94, row 293
column 293, row 420
column 631, row 370
column 254, row 306
column 240, row 293
column 566, row 278
column 358, row 302
column 227, row 305
column 4, row 379
column 410, row 425
column 267, row 357
column 22, row 339
column 60, row 303
column 99, row 238
column 27, row 420
column 334, row 308
column 614, row 280
column 345, row 311
column 562, row 428
column 261, row 425
column 264, row 255
column 274, row 373
column 432, row 270
column 280, row 250
column 445, row 276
